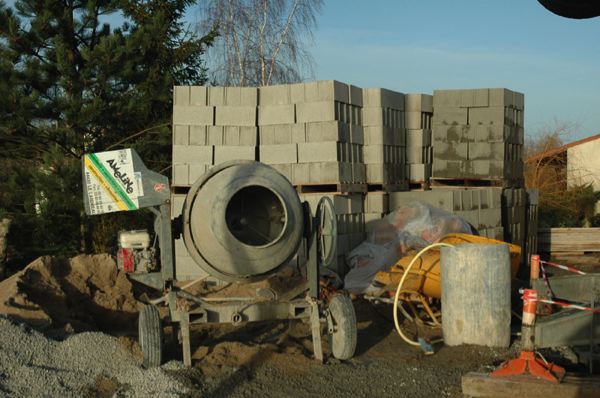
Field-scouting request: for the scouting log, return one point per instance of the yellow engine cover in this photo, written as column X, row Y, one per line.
column 424, row 277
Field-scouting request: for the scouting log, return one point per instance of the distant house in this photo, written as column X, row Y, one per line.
column 578, row 161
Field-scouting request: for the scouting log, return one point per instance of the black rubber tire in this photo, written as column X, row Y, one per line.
column 150, row 336
column 343, row 339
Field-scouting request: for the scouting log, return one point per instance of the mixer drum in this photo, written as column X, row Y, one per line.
column 242, row 221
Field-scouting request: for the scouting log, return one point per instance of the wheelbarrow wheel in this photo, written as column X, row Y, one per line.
column 342, row 339
column 150, row 336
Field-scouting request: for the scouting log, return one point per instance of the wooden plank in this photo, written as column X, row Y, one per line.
column 483, row 385
column 553, row 240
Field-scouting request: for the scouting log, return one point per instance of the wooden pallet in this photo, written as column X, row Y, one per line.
column 387, row 187
column 483, row 385
column 419, row 185
column 475, row 182
column 334, row 187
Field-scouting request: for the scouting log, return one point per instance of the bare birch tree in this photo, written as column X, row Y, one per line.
column 262, row 42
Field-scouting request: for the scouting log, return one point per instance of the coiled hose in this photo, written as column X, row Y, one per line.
column 396, row 297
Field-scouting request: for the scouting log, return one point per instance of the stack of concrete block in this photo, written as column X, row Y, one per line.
column 211, row 125
column 514, row 201
column 478, row 134
column 350, row 213
column 376, row 207
column 419, row 152
column 312, row 132
column 480, row 207
column 384, row 139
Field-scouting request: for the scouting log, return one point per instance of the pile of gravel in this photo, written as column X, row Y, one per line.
column 84, row 364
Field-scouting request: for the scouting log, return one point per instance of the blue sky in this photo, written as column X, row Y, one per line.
column 422, row 45
column 419, row 46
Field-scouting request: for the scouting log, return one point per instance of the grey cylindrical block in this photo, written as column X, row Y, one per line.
column 476, row 295
column 242, row 221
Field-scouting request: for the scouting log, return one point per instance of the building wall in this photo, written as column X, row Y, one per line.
column 583, row 164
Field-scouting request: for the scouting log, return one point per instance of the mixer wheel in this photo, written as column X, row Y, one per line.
column 342, row 339
column 150, row 336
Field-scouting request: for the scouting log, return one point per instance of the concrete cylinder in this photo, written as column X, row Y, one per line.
column 242, row 221
column 476, row 295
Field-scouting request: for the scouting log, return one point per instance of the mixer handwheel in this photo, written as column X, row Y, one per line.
column 326, row 232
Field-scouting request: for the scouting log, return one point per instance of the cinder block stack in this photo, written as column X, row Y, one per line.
column 419, row 152
column 385, row 139
column 480, row 207
column 478, row 134
column 376, row 207
column 514, row 201
column 312, row 133
column 350, row 214
column 211, row 125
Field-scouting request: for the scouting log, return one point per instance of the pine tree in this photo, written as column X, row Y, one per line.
column 72, row 84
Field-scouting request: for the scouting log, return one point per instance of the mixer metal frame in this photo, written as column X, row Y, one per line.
column 303, row 302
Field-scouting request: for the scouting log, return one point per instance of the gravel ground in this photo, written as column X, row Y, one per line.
column 85, row 364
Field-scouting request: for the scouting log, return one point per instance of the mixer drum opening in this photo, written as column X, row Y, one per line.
column 256, row 216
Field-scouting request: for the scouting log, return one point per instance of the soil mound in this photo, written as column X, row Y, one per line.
column 83, row 293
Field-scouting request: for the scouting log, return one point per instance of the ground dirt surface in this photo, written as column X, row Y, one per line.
column 67, row 328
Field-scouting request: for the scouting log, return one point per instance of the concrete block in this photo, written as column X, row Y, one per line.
column 299, row 133
column 419, row 172
column 198, row 135
column 274, row 95
column 375, row 117
column 216, row 96
column 227, row 153
column 359, row 173
column 327, row 131
column 486, row 133
column 446, row 99
column 199, row 96
column 326, row 90
column 330, row 172
column 418, row 103
column 448, row 168
column 487, row 150
column 196, row 171
column 372, row 221
column 501, row 97
column 450, row 150
column 453, row 133
column 193, row 115
column 377, row 154
column 297, row 93
column 235, row 116
column 399, row 136
column 320, row 152
column 279, row 154
column 357, row 134
column 181, row 134
column 181, row 95
column 356, row 95
column 351, row 203
column 323, row 111
column 378, row 173
column 418, row 138
column 413, row 120
column 415, row 155
column 300, row 173
column 450, row 116
column 184, row 154
column 377, row 202
column 378, row 135
column 276, row 114
column 180, row 174
column 285, row 170
column 214, row 135
column 490, row 218
column 489, row 115
column 440, row 198
column 177, row 201
column 248, row 136
column 474, row 98
column 383, row 98
column 241, row 96
column 231, row 135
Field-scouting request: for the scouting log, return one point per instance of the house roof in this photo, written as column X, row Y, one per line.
column 556, row 151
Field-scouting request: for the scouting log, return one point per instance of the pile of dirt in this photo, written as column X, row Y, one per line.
column 83, row 293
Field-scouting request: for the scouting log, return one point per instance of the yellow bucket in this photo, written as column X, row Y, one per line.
column 424, row 276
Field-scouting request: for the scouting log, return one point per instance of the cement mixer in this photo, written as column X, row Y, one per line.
column 242, row 222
